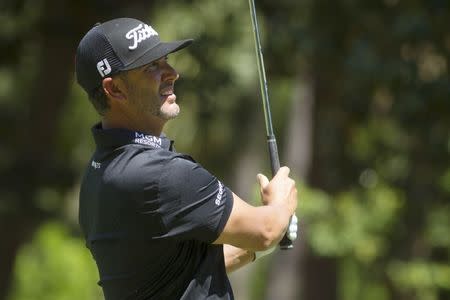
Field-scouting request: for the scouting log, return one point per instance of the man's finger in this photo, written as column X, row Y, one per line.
column 283, row 171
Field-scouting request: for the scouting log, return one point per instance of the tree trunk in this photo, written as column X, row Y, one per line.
column 248, row 164
column 35, row 148
column 286, row 274
column 320, row 273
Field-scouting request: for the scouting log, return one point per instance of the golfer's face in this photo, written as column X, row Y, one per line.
column 151, row 90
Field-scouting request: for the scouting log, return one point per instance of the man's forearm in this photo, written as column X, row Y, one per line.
column 236, row 258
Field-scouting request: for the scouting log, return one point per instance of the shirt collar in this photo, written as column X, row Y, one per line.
column 116, row 137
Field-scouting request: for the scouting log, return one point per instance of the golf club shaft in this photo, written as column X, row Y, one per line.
column 285, row 243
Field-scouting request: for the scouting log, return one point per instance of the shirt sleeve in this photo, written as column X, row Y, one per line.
column 194, row 203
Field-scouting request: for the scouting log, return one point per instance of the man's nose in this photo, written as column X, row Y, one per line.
column 170, row 72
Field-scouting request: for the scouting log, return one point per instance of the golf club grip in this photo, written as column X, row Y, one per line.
column 273, row 153
column 285, row 242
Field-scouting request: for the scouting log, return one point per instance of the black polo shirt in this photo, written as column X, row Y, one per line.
column 149, row 216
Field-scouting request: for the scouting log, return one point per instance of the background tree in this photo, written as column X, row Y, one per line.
column 38, row 43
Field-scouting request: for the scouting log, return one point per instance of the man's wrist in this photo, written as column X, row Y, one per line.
column 281, row 207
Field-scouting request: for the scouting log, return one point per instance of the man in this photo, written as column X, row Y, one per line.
column 158, row 225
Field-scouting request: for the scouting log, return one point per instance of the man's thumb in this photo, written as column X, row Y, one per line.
column 262, row 180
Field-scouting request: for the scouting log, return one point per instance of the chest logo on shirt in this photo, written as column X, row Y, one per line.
column 96, row 165
column 219, row 194
column 150, row 140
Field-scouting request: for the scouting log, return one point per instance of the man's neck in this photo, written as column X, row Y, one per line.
column 153, row 128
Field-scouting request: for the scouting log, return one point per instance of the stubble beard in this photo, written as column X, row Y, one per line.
column 163, row 110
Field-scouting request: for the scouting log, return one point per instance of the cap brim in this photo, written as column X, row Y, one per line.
column 155, row 53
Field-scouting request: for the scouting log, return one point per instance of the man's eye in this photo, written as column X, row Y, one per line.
column 151, row 67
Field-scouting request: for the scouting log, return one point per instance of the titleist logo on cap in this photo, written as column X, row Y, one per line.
column 139, row 34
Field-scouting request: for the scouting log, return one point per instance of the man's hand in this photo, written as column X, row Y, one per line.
column 262, row 227
column 281, row 190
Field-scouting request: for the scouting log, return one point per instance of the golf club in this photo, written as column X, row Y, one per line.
column 285, row 243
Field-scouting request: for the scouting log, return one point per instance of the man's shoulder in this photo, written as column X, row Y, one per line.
column 142, row 164
column 128, row 161
column 134, row 166
column 142, row 154
column 138, row 162
column 143, row 158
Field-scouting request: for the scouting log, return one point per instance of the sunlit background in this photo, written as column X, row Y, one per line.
column 360, row 101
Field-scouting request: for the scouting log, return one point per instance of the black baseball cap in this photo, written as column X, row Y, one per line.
column 118, row 45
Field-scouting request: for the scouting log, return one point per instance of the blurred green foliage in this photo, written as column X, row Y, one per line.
column 55, row 266
column 357, row 227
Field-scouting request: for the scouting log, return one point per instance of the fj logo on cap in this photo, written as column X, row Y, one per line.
column 103, row 67
column 139, row 34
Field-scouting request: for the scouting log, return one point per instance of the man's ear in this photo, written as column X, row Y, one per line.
column 114, row 89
